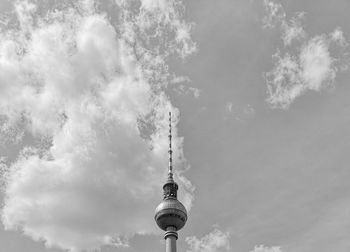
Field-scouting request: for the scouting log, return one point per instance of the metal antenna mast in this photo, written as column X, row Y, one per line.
column 170, row 172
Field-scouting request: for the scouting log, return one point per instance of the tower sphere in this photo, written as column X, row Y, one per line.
column 170, row 213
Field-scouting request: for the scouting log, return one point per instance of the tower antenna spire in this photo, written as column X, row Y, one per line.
column 170, row 151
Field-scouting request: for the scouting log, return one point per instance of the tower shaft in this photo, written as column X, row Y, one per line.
column 170, row 244
column 170, row 239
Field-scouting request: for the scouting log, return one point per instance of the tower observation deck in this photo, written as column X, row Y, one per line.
column 170, row 214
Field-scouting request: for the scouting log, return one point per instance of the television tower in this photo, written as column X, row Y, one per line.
column 170, row 214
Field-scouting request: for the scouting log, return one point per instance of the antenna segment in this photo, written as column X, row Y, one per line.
column 170, row 172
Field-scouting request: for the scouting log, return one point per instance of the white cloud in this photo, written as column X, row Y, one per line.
column 338, row 37
column 274, row 13
column 317, row 64
column 262, row 248
column 312, row 69
column 187, row 90
column 229, row 106
column 241, row 114
column 86, row 87
column 292, row 30
column 215, row 241
column 180, row 88
column 309, row 65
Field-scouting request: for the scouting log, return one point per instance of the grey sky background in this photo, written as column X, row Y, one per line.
column 262, row 171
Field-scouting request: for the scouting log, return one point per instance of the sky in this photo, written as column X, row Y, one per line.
column 259, row 96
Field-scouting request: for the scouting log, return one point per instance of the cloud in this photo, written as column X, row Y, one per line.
column 274, row 14
column 338, row 37
column 312, row 64
column 241, row 114
column 89, row 93
column 262, row 248
column 229, row 106
column 293, row 30
column 215, row 241
column 186, row 90
column 276, row 17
